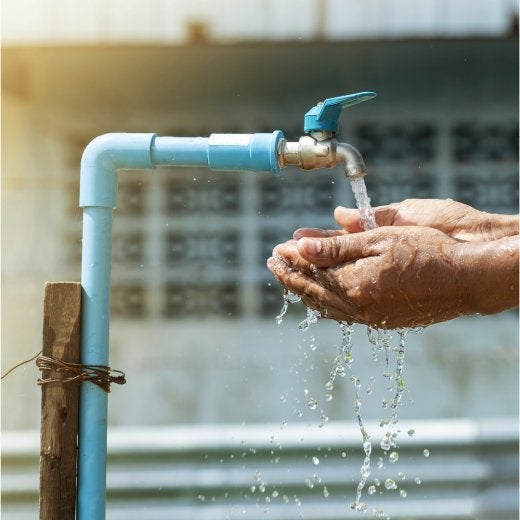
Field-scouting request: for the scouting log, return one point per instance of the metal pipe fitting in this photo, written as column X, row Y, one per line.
column 310, row 153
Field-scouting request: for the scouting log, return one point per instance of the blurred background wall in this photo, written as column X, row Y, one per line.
column 193, row 303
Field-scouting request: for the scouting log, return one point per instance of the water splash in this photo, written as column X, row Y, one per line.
column 288, row 297
column 312, row 317
column 381, row 341
column 343, row 361
column 393, row 419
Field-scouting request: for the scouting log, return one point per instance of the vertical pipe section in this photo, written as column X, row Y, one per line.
column 95, row 280
column 98, row 190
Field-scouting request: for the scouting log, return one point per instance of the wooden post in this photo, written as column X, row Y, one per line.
column 60, row 403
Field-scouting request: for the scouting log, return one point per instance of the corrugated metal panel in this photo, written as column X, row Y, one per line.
column 226, row 472
column 103, row 21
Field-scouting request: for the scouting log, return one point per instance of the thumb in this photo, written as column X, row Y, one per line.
column 328, row 252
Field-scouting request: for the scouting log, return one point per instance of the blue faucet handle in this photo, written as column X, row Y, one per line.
column 324, row 116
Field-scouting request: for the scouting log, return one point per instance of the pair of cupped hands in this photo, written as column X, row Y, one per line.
column 421, row 265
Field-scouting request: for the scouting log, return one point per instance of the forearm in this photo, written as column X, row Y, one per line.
column 489, row 275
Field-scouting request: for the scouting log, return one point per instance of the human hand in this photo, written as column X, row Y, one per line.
column 457, row 220
column 389, row 277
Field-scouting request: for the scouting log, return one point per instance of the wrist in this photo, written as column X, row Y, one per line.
column 499, row 226
column 489, row 275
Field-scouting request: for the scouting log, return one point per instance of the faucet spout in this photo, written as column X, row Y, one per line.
column 354, row 164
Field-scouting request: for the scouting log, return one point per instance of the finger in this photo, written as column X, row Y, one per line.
column 288, row 253
column 313, row 294
column 349, row 219
column 328, row 252
column 316, row 232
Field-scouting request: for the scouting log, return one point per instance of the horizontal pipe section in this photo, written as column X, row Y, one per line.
column 180, row 151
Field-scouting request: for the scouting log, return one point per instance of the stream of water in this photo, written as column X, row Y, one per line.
column 381, row 341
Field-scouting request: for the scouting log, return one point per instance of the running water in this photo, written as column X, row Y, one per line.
column 288, row 297
column 381, row 341
column 368, row 217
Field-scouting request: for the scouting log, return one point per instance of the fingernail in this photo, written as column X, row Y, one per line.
column 311, row 247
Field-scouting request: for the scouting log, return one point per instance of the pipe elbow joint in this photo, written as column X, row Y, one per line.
column 101, row 160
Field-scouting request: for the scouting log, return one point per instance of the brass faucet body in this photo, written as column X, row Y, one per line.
column 321, row 150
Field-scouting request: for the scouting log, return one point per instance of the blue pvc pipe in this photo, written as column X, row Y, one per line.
column 95, row 280
column 100, row 162
column 98, row 190
column 180, row 151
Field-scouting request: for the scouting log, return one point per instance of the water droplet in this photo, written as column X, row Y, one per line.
column 340, row 371
column 325, row 492
column 292, row 298
column 403, row 493
column 371, row 490
column 324, row 419
column 358, row 506
column 417, row 480
column 285, row 498
column 377, row 482
column 401, row 475
column 343, row 454
column 380, row 463
column 393, row 457
column 329, row 385
column 308, row 483
column 426, row 453
column 386, row 444
column 390, row 484
column 315, row 461
column 312, row 403
column 411, row 432
column 328, row 397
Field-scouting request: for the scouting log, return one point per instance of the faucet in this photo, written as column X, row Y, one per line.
column 101, row 161
column 320, row 149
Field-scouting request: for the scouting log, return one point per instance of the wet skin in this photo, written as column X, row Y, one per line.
column 430, row 261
